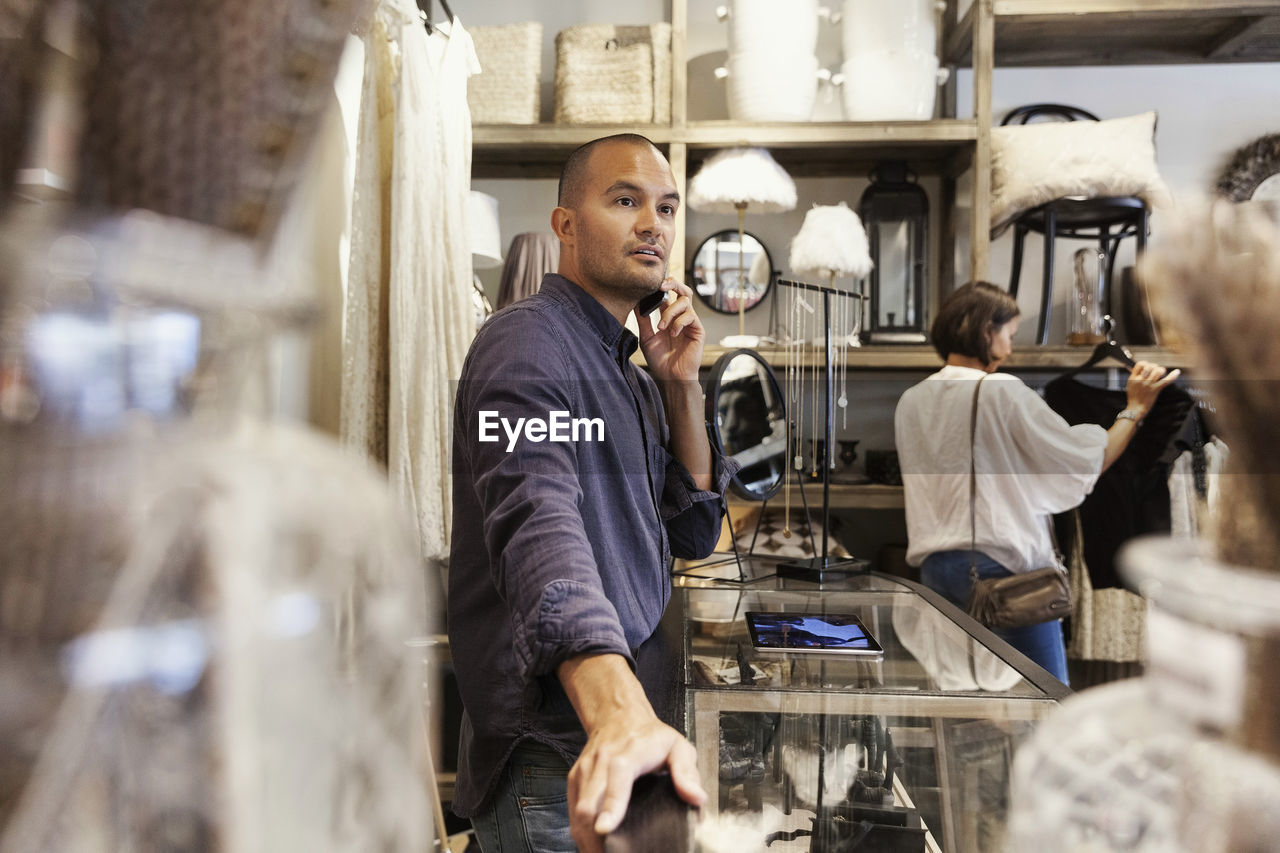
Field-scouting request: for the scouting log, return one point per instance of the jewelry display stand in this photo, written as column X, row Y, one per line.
column 824, row 567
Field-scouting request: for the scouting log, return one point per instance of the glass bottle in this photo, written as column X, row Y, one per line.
column 1086, row 300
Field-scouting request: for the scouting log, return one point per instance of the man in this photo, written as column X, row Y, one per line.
column 576, row 476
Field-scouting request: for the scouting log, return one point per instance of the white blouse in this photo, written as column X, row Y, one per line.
column 1030, row 463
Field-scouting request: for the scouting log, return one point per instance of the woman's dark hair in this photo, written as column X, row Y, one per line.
column 964, row 320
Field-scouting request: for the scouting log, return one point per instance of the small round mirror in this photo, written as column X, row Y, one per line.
column 745, row 403
column 726, row 271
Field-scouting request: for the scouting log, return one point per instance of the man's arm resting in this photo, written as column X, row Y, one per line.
column 625, row 739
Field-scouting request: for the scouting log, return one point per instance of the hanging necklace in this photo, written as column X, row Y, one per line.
column 819, row 328
column 846, row 314
column 793, row 320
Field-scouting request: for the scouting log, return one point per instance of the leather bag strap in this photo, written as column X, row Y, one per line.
column 973, row 483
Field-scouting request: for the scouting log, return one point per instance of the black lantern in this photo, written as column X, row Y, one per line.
column 895, row 214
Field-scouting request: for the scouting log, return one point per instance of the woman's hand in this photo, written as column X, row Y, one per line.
column 1146, row 381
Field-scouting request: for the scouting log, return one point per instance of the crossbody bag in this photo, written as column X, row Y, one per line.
column 1023, row 598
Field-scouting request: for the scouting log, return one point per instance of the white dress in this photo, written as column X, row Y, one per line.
column 409, row 294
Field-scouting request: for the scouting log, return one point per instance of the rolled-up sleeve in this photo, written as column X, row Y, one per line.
column 693, row 515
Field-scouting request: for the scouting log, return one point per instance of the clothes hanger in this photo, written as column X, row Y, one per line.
column 1109, row 348
column 424, row 9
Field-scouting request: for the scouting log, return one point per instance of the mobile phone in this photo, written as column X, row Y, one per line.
column 650, row 303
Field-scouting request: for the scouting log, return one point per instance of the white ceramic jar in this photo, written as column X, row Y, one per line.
column 764, row 26
column 764, row 88
column 890, row 85
column 871, row 25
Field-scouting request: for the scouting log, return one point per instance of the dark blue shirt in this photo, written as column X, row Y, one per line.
column 562, row 531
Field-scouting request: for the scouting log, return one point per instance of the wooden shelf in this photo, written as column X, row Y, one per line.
column 803, row 148
column 924, row 357
column 1124, row 32
column 812, row 149
column 539, row 150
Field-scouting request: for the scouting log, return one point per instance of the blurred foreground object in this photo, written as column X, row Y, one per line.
column 1185, row 759
column 1214, row 283
column 21, row 62
column 203, row 615
column 205, row 109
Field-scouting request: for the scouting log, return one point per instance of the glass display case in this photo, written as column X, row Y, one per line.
column 905, row 751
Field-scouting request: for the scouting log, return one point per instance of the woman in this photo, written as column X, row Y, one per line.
column 1030, row 462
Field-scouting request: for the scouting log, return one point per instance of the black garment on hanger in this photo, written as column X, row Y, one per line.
column 1131, row 498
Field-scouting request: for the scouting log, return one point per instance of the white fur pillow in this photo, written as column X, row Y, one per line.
column 1036, row 163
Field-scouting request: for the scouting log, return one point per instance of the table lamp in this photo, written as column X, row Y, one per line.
column 831, row 243
column 731, row 181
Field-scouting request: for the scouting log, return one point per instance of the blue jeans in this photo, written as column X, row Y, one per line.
column 947, row 573
column 529, row 811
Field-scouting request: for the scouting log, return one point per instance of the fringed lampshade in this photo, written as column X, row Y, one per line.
column 742, row 177
column 732, row 181
column 832, row 242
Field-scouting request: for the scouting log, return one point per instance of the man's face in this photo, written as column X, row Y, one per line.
column 626, row 220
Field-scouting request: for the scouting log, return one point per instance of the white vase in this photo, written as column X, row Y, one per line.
column 889, row 25
column 886, row 85
column 761, row 88
column 764, row 25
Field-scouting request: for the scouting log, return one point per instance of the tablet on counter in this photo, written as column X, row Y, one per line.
column 825, row 633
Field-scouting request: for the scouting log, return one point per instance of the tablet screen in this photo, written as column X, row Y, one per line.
column 831, row 633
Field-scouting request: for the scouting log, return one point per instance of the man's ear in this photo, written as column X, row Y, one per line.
column 562, row 223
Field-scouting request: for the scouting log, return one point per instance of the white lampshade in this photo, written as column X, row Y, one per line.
column 482, row 222
column 832, row 240
column 742, row 176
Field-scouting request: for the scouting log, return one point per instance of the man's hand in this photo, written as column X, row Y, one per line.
column 625, row 740
column 674, row 349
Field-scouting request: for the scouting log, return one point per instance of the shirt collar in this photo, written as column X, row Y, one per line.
column 956, row 371
column 614, row 337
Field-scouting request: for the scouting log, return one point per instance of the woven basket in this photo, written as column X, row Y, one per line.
column 607, row 74
column 508, row 90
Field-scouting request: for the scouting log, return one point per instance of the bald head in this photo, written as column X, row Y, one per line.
column 574, row 175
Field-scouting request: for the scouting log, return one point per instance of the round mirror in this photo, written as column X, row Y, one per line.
column 745, row 403
column 726, row 271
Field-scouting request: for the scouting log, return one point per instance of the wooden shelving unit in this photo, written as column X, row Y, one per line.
column 1122, row 32
column 947, row 146
column 991, row 33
